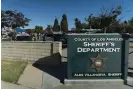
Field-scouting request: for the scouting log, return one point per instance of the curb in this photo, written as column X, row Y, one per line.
column 95, row 82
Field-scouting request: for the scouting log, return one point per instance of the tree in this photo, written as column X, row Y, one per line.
column 131, row 21
column 105, row 19
column 129, row 28
column 56, row 26
column 90, row 20
column 78, row 24
column 38, row 30
column 109, row 18
column 64, row 23
column 93, row 22
column 128, row 25
column 3, row 20
column 124, row 27
column 49, row 29
column 13, row 19
column 84, row 25
column 30, row 31
column 59, row 28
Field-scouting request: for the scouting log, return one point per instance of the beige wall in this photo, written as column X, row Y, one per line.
column 28, row 50
column 131, row 44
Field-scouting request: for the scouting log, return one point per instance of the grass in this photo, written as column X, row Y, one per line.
column 11, row 70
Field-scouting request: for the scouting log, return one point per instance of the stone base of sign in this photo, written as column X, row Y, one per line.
column 94, row 82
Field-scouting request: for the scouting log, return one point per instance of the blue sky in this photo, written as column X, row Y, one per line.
column 43, row 12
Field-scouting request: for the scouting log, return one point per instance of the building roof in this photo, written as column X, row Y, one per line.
column 20, row 30
column 57, row 32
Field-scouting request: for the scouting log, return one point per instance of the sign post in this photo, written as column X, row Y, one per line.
column 97, row 56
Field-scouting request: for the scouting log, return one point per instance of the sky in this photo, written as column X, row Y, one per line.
column 43, row 12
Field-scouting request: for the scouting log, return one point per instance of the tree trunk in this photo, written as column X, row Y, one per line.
column 105, row 30
column 37, row 36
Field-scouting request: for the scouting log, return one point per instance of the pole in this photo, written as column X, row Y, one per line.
column 126, row 52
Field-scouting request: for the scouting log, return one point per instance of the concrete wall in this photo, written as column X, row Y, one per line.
column 28, row 50
column 130, row 43
column 130, row 61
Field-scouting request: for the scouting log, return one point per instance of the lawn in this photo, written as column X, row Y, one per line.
column 11, row 70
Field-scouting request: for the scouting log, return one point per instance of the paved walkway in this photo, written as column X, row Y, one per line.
column 93, row 87
column 31, row 77
column 6, row 85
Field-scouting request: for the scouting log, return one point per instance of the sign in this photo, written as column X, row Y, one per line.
column 96, row 56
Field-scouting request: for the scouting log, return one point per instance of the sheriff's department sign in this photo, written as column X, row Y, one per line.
column 96, row 56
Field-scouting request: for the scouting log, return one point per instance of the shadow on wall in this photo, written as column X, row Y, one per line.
column 64, row 46
column 53, row 66
column 131, row 52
